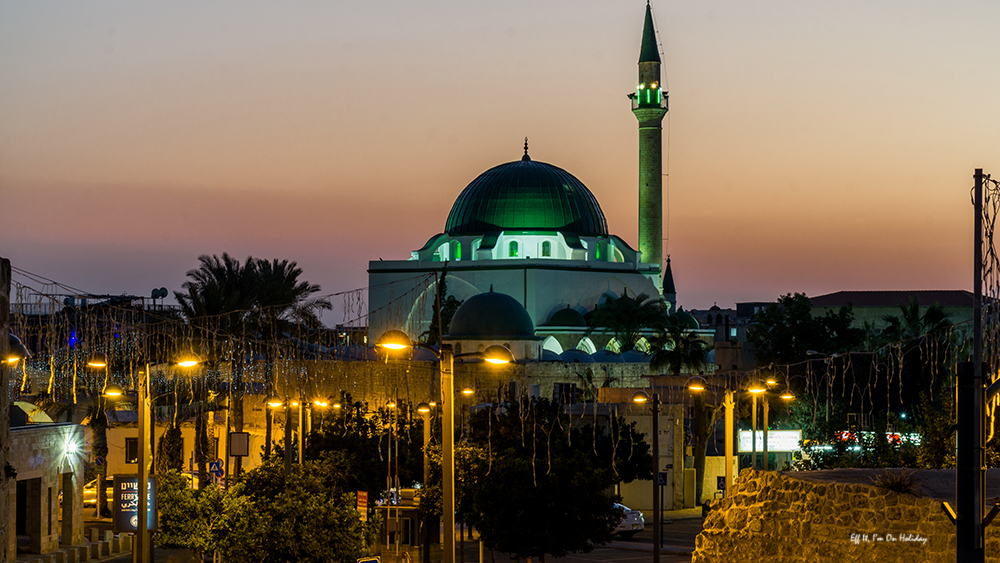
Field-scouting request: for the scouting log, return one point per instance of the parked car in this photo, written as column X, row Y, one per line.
column 632, row 522
column 90, row 491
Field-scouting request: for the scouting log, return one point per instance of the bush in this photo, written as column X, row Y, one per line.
column 898, row 480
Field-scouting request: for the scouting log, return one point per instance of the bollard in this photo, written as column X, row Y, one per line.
column 105, row 548
column 95, row 535
column 95, row 550
column 82, row 554
column 116, row 545
column 126, row 542
column 48, row 558
column 60, row 557
column 108, row 534
column 72, row 555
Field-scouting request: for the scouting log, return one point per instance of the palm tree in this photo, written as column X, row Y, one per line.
column 284, row 305
column 680, row 348
column 922, row 347
column 626, row 317
column 216, row 302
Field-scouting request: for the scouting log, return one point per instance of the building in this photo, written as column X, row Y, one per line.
column 534, row 231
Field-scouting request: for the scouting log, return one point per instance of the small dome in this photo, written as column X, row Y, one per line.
column 576, row 356
column 606, row 357
column 567, row 317
column 635, row 357
column 526, row 195
column 491, row 316
column 685, row 319
column 549, row 356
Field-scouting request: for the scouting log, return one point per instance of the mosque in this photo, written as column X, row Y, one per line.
column 534, row 232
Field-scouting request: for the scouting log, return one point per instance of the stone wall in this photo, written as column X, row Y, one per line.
column 773, row 516
column 48, row 459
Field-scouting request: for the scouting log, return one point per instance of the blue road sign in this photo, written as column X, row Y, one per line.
column 662, row 478
column 215, row 468
column 99, row 461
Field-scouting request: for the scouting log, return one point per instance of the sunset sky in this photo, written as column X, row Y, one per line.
column 813, row 146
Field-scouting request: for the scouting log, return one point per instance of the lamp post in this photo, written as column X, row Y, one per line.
column 143, row 546
column 395, row 340
column 697, row 384
column 641, row 397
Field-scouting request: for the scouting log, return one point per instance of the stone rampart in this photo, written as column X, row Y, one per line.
column 775, row 517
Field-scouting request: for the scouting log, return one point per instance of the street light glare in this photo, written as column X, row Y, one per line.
column 756, row 387
column 696, row 384
column 640, row 397
column 423, row 408
column 188, row 360
column 273, row 401
column 97, row 360
column 467, row 391
column 394, row 340
column 497, row 354
column 113, row 391
column 787, row 395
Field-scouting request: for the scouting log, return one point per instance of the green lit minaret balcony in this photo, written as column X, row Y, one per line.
column 648, row 96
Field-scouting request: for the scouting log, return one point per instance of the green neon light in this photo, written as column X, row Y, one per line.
column 659, row 93
column 458, row 251
column 598, row 251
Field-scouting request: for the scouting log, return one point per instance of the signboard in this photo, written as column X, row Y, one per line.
column 239, row 444
column 215, row 468
column 372, row 559
column 363, row 507
column 126, row 502
column 720, row 482
column 777, row 441
column 663, row 478
column 99, row 461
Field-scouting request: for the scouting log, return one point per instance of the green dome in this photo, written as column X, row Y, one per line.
column 526, row 196
column 686, row 320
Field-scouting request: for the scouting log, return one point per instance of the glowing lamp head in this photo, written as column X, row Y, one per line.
column 336, row 405
column 113, row 390
column 697, row 384
column 756, row 387
column 188, row 360
column 640, row 397
column 273, row 401
column 321, row 403
column 72, row 448
column 497, row 355
column 771, row 381
column 98, row 360
column 787, row 395
column 16, row 350
column 423, row 408
column 394, row 340
column 468, row 391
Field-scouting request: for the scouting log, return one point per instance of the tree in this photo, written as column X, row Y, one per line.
column 921, row 352
column 681, row 348
column 627, row 317
column 784, row 332
column 446, row 304
column 284, row 304
column 216, row 301
column 559, row 473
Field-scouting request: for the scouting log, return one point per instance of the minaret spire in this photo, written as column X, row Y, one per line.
column 649, row 105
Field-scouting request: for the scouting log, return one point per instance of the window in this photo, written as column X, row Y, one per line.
column 458, row 251
column 546, row 248
column 598, row 250
column 512, row 249
column 131, row 450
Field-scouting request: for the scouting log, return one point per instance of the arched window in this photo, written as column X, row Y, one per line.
column 458, row 251
column 718, row 319
column 552, row 345
column 512, row 249
column 546, row 248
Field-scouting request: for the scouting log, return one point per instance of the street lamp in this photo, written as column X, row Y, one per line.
column 16, row 350
column 396, row 340
column 143, row 546
column 697, row 384
column 642, row 398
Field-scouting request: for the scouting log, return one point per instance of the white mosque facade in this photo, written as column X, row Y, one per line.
column 533, row 231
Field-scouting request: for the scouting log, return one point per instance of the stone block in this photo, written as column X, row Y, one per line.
column 116, row 545
column 126, row 542
column 49, row 558
column 82, row 554
column 95, row 550
column 59, row 557
column 108, row 534
column 105, row 549
column 72, row 555
column 95, row 535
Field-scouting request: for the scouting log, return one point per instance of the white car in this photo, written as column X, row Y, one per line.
column 631, row 524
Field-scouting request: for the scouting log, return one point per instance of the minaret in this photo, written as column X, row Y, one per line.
column 649, row 104
column 668, row 289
